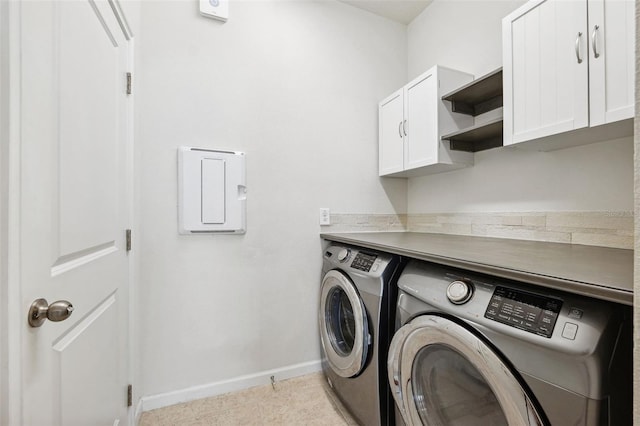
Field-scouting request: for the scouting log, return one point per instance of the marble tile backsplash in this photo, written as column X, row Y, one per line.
column 366, row 223
column 606, row 229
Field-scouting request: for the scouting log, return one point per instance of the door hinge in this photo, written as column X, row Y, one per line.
column 128, row 83
column 128, row 240
column 129, row 395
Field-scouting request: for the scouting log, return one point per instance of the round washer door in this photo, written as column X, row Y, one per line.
column 441, row 373
column 344, row 329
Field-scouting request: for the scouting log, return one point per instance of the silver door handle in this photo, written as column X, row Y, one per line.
column 593, row 41
column 404, row 127
column 40, row 311
column 578, row 48
column 400, row 129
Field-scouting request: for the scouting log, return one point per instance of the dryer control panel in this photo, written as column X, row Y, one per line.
column 364, row 261
column 527, row 311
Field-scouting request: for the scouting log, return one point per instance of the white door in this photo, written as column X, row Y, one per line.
column 391, row 134
column 74, row 211
column 611, row 60
column 545, row 71
column 421, row 110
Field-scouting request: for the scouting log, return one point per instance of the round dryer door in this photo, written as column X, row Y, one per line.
column 344, row 330
column 442, row 373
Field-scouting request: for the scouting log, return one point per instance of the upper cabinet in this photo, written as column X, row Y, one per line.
column 611, row 60
column 568, row 65
column 411, row 122
column 391, row 135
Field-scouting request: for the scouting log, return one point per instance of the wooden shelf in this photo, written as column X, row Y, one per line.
column 477, row 138
column 481, row 95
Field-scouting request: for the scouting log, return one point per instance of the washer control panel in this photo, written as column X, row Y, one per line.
column 364, row 261
column 359, row 260
column 527, row 311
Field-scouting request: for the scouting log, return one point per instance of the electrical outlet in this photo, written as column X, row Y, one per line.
column 325, row 216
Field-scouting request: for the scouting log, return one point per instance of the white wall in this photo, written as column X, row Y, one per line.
column 461, row 34
column 295, row 85
column 4, row 194
column 467, row 35
column 596, row 177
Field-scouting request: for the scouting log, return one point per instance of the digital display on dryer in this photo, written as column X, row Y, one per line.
column 527, row 311
column 363, row 261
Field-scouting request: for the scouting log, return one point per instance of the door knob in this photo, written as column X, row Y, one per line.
column 40, row 311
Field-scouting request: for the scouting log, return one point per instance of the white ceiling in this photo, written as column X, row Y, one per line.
column 402, row 11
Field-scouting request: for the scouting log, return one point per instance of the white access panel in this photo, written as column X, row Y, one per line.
column 211, row 191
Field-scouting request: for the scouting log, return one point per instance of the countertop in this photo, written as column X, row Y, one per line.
column 599, row 272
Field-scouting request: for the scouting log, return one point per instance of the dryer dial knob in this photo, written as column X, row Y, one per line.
column 343, row 254
column 459, row 292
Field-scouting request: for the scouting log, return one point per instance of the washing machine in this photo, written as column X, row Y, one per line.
column 356, row 319
column 472, row 349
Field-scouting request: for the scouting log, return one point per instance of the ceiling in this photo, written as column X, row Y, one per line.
column 402, row 11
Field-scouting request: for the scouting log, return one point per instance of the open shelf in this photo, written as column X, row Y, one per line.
column 477, row 138
column 477, row 97
column 481, row 95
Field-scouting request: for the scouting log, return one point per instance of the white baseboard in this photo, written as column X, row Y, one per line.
column 217, row 388
column 138, row 412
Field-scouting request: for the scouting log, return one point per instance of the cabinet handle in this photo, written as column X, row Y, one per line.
column 578, row 48
column 404, row 127
column 400, row 129
column 593, row 41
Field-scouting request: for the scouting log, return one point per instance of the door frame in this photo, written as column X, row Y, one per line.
column 10, row 309
column 12, row 314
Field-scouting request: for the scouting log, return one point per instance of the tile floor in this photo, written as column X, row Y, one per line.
column 305, row 400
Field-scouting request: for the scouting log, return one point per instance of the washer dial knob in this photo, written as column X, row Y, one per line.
column 343, row 254
column 459, row 292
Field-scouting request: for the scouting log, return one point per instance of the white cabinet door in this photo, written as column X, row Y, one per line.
column 545, row 48
column 611, row 60
column 74, row 207
column 411, row 121
column 421, row 112
column 392, row 133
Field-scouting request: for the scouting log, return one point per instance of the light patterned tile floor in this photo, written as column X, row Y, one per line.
column 305, row 400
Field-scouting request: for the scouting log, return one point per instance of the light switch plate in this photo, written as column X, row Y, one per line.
column 325, row 216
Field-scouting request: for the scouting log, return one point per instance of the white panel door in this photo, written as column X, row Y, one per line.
column 421, row 111
column 391, row 136
column 74, row 211
column 611, row 60
column 545, row 48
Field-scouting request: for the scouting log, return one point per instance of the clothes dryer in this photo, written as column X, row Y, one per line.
column 475, row 350
column 357, row 304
